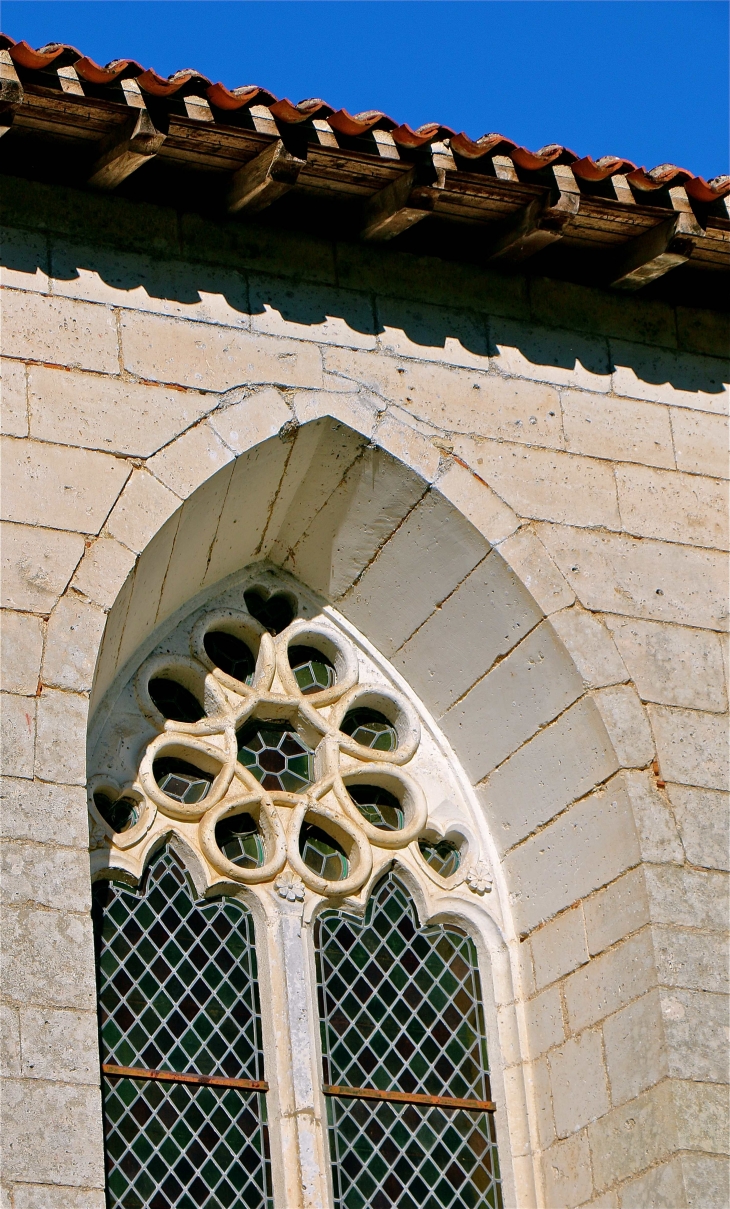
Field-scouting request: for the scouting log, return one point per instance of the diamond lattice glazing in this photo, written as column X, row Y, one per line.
column 178, row 991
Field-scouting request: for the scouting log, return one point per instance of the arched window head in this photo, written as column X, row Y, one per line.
column 404, row 1059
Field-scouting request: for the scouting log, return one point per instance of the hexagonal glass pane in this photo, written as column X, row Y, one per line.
column 322, row 854
column 181, row 781
column 276, row 755
column 240, row 841
column 380, row 808
column 443, row 856
column 312, row 670
column 371, row 729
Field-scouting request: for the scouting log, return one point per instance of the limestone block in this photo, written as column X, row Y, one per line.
column 695, row 1030
column 431, row 333
column 704, row 824
column 538, row 1079
column 706, row 1180
column 662, row 1187
column 586, row 309
column 615, row 574
column 17, row 734
column 80, row 335
column 661, row 376
column 25, row 260
column 700, row 442
column 672, row 665
column 610, row 981
column 253, row 419
column 457, row 400
column 636, row 1054
column 561, row 763
column 479, row 504
column 562, row 357
column 530, row 561
column 102, row 571
column 487, row 615
column 604, row 1200
column 703, row 1109
column 590, row 646
column 658, row 836
column 62, row 1042
column 30, row 1196
column 141, row 612
column 49, row 958
column 76, row 487
column 37, row 565
column 141, row 511
column 702, row 331
column 13, row 399
column 21, row 647
column 359, row 410
column 690, row 898
column 97, row 412
column 409, row 445
column 191, row 459
column 578, row 1079
column 620, row 430
column 544, row 1021
column 195, row 536
column 527, row 689
column 632, row 1137
column 567, row 1172
column 214, row 358
column 546, row 484
column 53, row 1134
column 559, row 947
column 61, row 737
column 627, row 725
column 683, row 960
column 9, row 1042
column 255, row 485
column 616, row 911
column 46, row 874
column 672, row 506
column 415, row 570
column 691, row 746
column 510, row 1050
column 32, row 810
column 72, row 644
column 311, row 312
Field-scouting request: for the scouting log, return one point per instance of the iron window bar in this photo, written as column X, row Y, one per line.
column 171, row 1076
column 404, row 1097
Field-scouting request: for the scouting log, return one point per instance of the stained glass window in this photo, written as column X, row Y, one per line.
column 312, row 670
column 371, row 729
column 401, row 1012
column 230, row 654
column 276, row 755
column 441, row 855
column 119, row 813
column 178, row 996
column 174, row 701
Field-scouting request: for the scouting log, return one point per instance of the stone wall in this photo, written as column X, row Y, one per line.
column 581, row 436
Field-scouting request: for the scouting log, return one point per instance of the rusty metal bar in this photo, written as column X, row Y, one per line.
column 171, row 1076
column 404, row 1097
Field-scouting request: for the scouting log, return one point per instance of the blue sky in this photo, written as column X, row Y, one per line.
column 646, row 79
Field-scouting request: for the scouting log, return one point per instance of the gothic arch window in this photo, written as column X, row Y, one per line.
column 178, row 996
column 404, row 1060
column 264, row 738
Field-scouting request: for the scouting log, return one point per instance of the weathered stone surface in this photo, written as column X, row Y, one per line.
column 548, row 355
column 62, row 1042
column 48, row 958
column 56, row 1196
column 311, row 312
column 21, row 647
column 704, row 824
column 254, row 419
column 72, row 644
column 37, row 565
column 77, row 487
column 9, row 1042
column 109, row 414
column 703, row 1109
column 633, row 1136
column 691, row 746
column 666, row 377
column 578, row 1078
column 636, row 1054
column 17, row 734
column 627, row 725
column 191, row 459
column 61, row 749
column 662, row 1187
column 610, row 981
column 214, row 358
column 25, row 260
column 616, row 911
column 494, row 519
column 615, row 574
column 102, row 571
column 657, row 831
column 682, row 962
column 567, row 1172
column 545, row 484
column 561, row 763
column 13, row 392
column 694, row 1025
column 401, row 436
column 674, row 507
column 700, row 442
column 544, row 1020
column 559, row 947
column 690, row 898
column 590, row 646
column 706, row 1180
column 672, row 665
column 79, row 335
column 584, row 309
column 617, row 429
column 53, row 1134
column 141, row 511
column 45, row 874
column 527, row 689
column 32, row 810
column 485, row 617
column 530, row 561
column 431, row 333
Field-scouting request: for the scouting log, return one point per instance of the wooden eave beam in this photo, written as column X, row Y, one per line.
column 539, row 223
column 656, row 252
column 265, row 178
column 11, row 92
column 407, row 200
column 128, row 149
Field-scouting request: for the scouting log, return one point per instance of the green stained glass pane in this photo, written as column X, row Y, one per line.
column 371, row 729
column 411, row 1025
column 239, row 840
column 181, row 781
column 312, row 670
column 443, row 856
column 119, row 813
column 322, row 854
column 187, row 1005
column 276, row 755
column 379, row 807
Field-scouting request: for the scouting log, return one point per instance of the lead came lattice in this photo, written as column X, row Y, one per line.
column 178, row 991
column 400, row 1010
